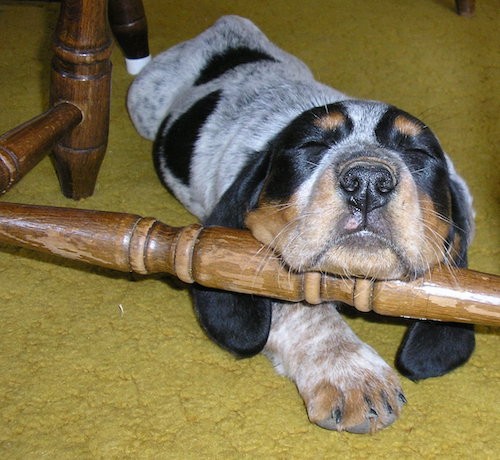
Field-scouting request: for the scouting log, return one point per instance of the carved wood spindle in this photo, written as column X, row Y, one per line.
column 129, row 25
column 233, row 260
column 24, row 146
column 81, row 75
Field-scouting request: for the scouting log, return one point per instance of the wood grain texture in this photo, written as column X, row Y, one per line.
column 81, row 75
column 24, row 146
column 233, row 260
column 465, row 7
column 129, row 25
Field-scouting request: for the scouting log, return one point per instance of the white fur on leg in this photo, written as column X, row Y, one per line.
column 344, row 382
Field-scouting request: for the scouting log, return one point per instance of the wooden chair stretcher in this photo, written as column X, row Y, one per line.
column 233, row 260
column 77, row 122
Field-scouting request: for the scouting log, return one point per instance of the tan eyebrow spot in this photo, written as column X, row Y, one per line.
column 406, row 126
column 330, row 121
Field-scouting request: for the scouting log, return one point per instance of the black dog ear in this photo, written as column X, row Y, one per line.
column 242, row 195
column 462, row 215
column 239, row 323
column 431, row 349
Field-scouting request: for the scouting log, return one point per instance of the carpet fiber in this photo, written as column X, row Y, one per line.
column 94, row 364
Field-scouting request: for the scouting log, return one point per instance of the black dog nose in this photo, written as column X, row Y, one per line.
column 367, row 186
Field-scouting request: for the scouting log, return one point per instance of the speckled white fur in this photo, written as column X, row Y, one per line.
column 335, row 372
column 258, row 100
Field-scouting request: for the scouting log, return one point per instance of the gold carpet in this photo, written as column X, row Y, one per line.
column 96, row 365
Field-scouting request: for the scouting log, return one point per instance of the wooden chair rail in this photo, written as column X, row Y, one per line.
column 233, row 260
column 24, row 146
column 80, row 77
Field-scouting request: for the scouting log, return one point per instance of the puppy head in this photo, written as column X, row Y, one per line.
column 362, row 189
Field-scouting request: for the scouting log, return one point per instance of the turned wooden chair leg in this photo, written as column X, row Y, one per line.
column 24, row 146
column 465, row 7
column 81, row 75
column 128, row 23
column 77, row 124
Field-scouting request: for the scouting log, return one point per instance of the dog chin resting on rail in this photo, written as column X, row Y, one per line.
column 245, row 137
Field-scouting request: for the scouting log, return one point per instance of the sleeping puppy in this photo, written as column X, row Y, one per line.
column 246, row 138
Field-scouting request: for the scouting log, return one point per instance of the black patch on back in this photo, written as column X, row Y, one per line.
column 231, row 58
column 176, row 144
column 299, row 148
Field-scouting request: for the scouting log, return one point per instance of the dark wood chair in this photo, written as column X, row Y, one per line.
column 76, row 124
column 77, row 121
column 465, row 7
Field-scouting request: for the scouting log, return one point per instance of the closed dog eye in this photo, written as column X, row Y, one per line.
column 315, row 144
column 417, row 151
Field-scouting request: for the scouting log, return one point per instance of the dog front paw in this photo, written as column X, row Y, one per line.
column 357, row 398
column 345, row 384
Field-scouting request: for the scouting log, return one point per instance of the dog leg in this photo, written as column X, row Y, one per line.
column 344, row 382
